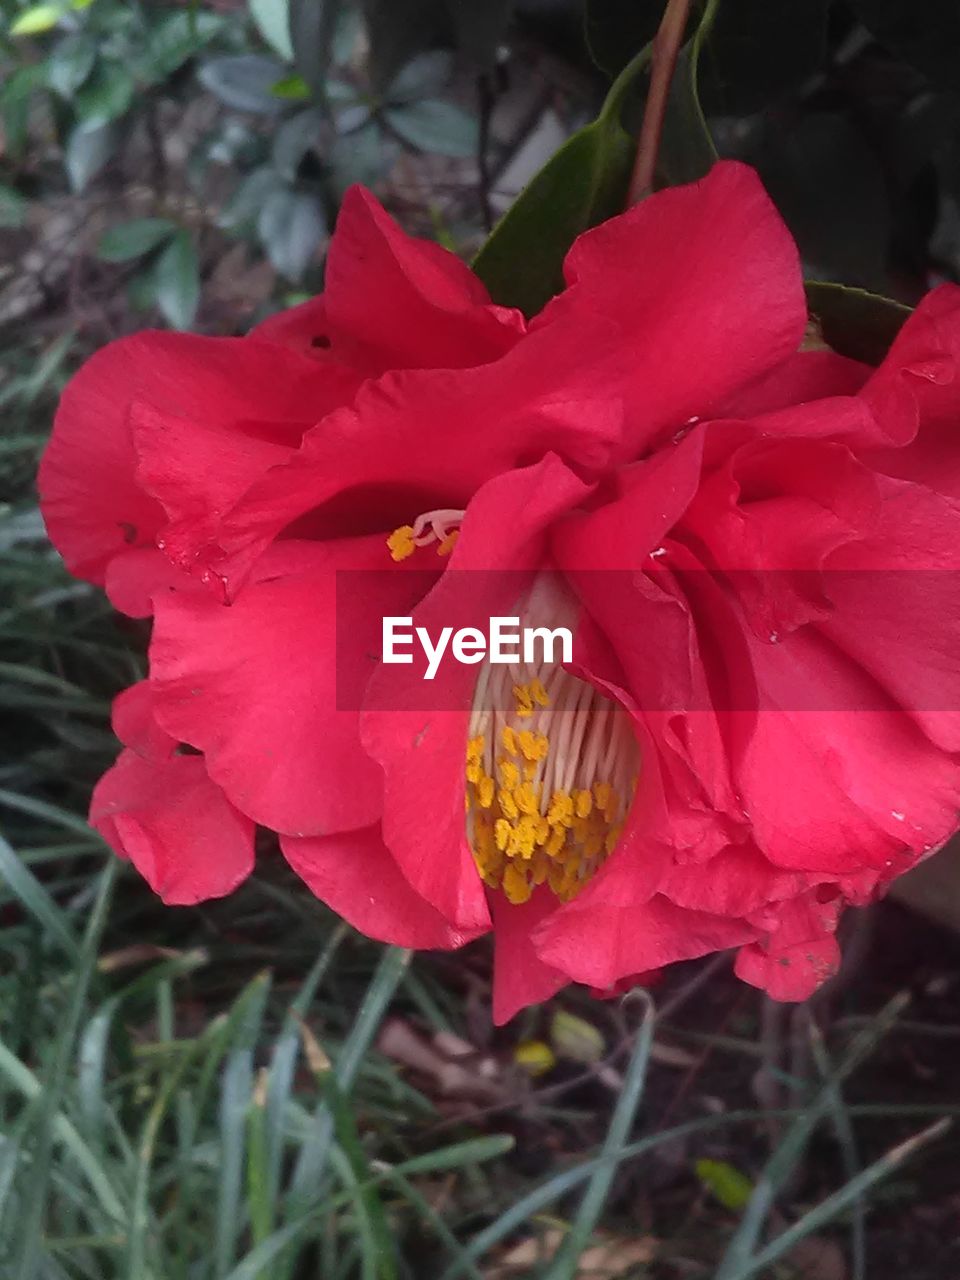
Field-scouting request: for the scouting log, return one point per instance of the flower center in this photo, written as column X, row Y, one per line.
column 441, row 527
column 551, row 769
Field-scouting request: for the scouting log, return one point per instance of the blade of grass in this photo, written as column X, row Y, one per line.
column 794, row 1142
column 828, row 1210
column 36, row 901
column 380, row 1258
column 566, row 1262
column 29, row 1225
column 387, row 977
column 235, row 1096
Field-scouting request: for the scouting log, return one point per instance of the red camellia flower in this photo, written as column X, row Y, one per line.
column 753, row 544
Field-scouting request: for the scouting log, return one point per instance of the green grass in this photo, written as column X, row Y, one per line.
column 160, row 1117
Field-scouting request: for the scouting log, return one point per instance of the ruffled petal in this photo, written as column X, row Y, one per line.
column 600, row 945
column 354, row 874
column 704, row 286
column 259, row 685
column 178, row 829
column 520, row 977
column 396, row 302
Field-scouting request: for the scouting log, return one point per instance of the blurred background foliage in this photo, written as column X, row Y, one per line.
column 247, row 1089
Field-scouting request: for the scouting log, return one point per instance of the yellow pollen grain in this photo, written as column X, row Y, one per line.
column 516, row 885
column 509, row 739
column 526, row 799
column 560, row 812
column 448, row 543
column 583, row 802
column 485, row 791
column 507, row 803
column 400, row 544
column 524, row 700
column 539, row 694
column 508, row 774
column 533, row 746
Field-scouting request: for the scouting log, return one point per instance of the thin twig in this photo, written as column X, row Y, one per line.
column 666, row 49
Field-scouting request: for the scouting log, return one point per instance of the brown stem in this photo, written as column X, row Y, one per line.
column 666, row 49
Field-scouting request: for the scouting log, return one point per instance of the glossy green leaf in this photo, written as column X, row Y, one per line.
column 243, row 207
column 521, row 262
column 422, row 77
column 70, row 63
column 35, row 20
column 312, row 27
column 88, row 149
column 854, row 322
column 435, row 126
column 400, row 32
column 686, row 151
column 178, row 37
column 106, row 96
column 291, row 226
column 131, row 239
column 272, row 19
column 244, row 82
column 291, row 89
column 177, row 278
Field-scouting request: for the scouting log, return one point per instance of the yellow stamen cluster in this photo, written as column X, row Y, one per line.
column 439, row 529
column 524, row 829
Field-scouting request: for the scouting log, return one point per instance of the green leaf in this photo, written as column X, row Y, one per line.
column 435, row 126
column 291, row 226
column 35, row 900
column 586, row 182
column 291, row 88
column 13, row 207
column 35, row 20
column 399, row 32
column 88, row 149
column 422, row 77
column 176, row 38
column 178, row 281
column 131, row 239
column 686, row 151
column 272, row 19
column 731, row 1187
column 106, row 96
column 251, row 194
column 312, row 26
column 854, row 322
column 566, row 1263
column 244, row 82
column 70, row 63
column 576, row 1039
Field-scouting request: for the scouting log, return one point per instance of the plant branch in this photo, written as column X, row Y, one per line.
column 666, row 49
